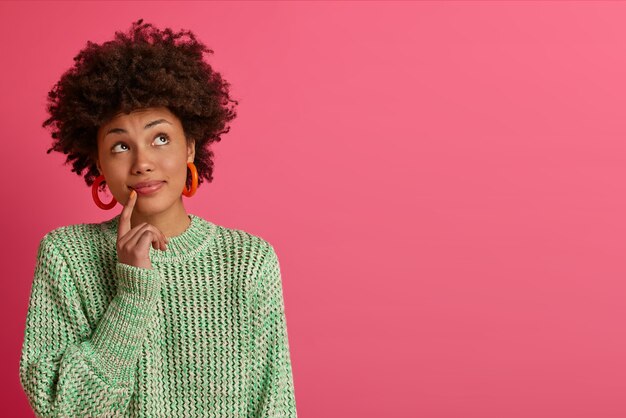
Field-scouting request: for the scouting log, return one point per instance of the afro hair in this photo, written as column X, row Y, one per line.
column 145, row 67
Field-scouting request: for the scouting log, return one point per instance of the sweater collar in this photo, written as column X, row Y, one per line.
column 194, row 239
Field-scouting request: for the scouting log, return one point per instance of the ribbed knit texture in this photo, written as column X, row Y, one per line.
column 202, row 334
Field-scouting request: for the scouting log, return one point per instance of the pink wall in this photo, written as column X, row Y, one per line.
column 443, row 182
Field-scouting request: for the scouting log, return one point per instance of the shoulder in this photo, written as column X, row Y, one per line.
column 244, row 237
column 67, row 251
column 84, row 235
column 258, row 249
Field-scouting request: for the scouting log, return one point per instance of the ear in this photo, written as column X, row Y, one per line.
column 191, row 150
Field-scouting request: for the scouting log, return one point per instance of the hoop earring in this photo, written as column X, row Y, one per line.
column 96, row 198
column 194, row 181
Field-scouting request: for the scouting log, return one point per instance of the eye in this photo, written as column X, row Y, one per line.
column 119, row 147
column 161, row 139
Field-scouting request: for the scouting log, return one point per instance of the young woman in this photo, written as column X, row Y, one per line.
column 156, row 312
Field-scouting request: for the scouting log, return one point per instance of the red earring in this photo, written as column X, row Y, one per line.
column 194, row 181
column 96, row 198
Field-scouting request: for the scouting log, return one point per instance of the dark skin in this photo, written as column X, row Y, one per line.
column 147, row 145
column 143, row 156
column 133, row 244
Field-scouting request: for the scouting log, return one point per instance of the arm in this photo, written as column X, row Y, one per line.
column 272, row 392
column 66, row 368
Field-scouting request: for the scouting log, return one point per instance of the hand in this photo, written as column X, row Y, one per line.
column 133, row 244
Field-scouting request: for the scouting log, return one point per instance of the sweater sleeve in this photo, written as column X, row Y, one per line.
column 67, row 369
column 272, row 390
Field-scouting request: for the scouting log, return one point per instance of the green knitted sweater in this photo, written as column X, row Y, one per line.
column 202, row 334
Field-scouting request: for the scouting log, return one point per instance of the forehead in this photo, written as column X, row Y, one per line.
column 140, row 116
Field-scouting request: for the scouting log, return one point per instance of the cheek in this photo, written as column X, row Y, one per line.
column 180, row 173
column 176, row 169
column 113, row 173
column 115, row 183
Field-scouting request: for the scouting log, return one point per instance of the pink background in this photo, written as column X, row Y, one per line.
column 443, row 183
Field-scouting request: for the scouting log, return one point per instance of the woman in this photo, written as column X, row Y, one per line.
column 156, row 312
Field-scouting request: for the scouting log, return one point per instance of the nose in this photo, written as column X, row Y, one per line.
column 142, row 163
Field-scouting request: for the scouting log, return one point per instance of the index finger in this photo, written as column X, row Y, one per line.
column 124, row 223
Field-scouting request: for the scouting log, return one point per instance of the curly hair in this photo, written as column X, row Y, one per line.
column 145, row 67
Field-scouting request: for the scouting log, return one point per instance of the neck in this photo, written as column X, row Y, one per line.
column 171, row 222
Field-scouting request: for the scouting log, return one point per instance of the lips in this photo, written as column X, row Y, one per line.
column 145, row 184
column 148, row 188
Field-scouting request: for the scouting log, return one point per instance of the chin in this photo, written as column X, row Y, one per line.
column 151, row 206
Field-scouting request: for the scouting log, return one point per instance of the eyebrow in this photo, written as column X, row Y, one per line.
column 148, row 126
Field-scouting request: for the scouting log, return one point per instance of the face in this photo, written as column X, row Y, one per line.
column 145, row 150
